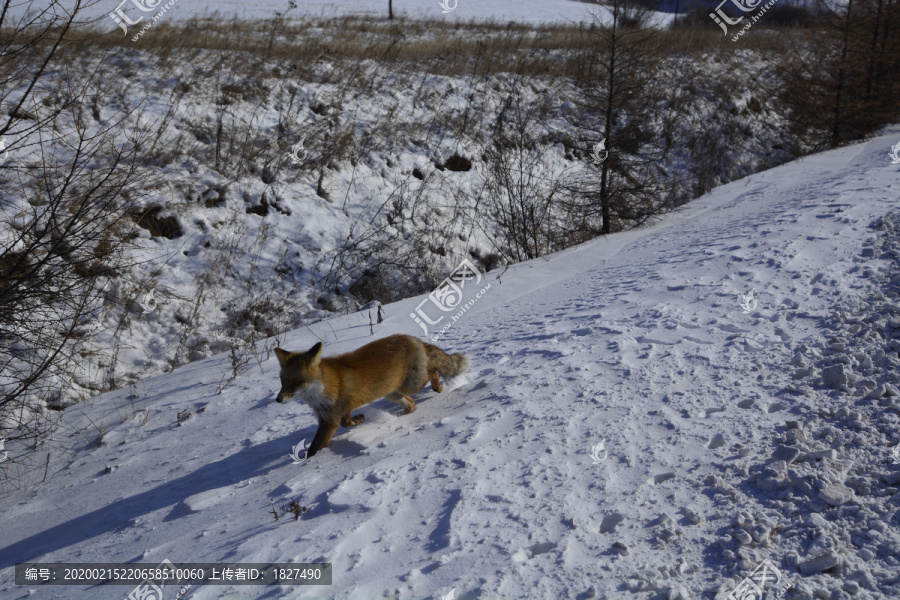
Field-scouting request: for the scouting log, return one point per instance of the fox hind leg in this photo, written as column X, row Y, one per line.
column 436, row 382
column 408, row 404
column 349, row 421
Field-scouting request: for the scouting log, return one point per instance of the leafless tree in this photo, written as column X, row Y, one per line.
column 67, row 188
column 841, row 82
column 619, row 95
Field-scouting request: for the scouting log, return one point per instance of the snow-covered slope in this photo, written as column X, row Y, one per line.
column 721, row 446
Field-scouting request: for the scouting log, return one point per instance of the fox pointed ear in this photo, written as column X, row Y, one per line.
column 282, row 356
column 315, row 353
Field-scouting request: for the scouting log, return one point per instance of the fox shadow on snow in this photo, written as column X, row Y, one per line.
column 252, row 461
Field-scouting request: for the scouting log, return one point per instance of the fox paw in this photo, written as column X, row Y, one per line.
column 352, row 421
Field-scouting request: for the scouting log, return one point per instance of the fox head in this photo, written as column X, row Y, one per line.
column 299, row 371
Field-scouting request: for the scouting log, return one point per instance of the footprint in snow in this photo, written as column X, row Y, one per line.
column 478, row 386
column 532, row 551
column 661, row 478
column 729, row 328
column 717, row 441
column 610, row 521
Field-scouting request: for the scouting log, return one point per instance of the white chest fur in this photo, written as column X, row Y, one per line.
column 314, row 396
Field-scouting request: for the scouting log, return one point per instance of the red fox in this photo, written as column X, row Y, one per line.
column 394, row 368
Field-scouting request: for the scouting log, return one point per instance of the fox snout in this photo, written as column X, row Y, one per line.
column 290, row 391
column 297, row 372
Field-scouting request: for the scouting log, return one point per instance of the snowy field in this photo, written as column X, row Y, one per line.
column 738, row 362
column 525, row 11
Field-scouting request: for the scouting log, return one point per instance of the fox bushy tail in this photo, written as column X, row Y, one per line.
column 448, row 365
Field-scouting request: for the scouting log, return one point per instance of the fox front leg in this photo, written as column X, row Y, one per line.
column 323, row 436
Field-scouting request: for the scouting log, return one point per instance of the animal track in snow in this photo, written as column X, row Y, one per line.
column 610, row 521
column 662, row 478
column 717, row 441
column 729, row 328
column 532, row 551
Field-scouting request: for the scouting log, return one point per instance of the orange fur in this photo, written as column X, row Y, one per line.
column 394, row 368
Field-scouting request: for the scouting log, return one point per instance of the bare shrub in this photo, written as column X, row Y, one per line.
column 523, row 193
column 63, row 199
